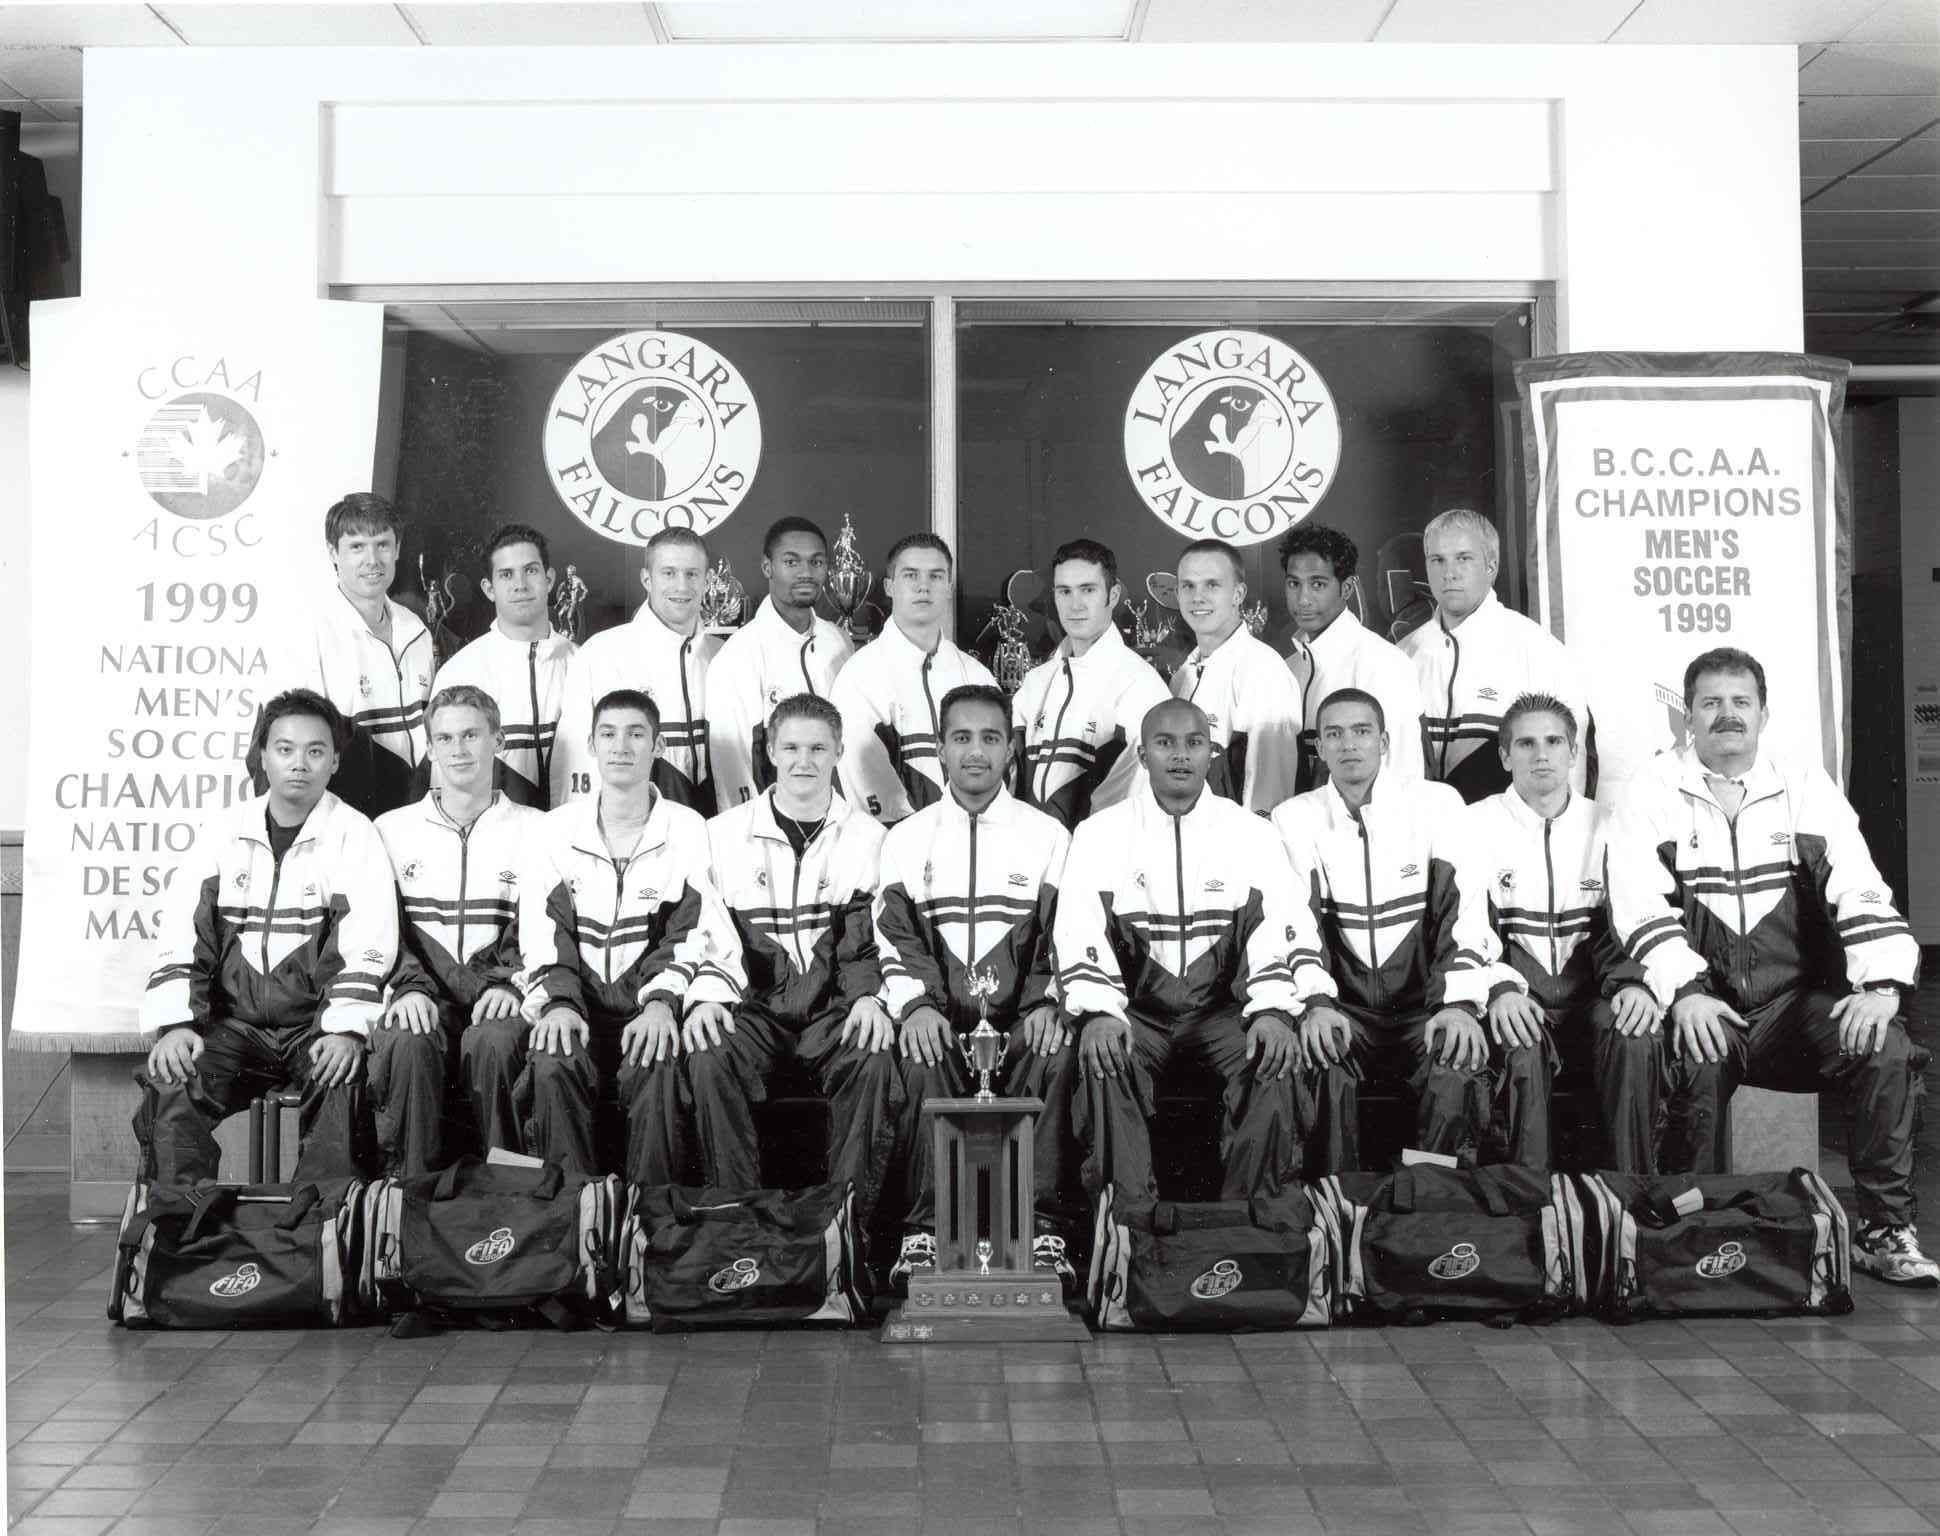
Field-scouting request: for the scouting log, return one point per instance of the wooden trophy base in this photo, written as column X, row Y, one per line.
column 1003, row 1307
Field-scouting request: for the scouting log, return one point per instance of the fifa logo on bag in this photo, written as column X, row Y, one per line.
column 1460, row 1261
column 240, row 1283
column 738, row 1276
column 1728, row 1260
column 489, row 1250
column 1221, row 1280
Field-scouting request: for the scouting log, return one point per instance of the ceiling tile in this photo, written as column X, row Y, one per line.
column 42, row 72
column 858, row 20
column 1811, row 184
column 1262, row 21
column 63, row 111
column 1899, row 21
column 1873, row 69
column 288, row 26
column 1872, row 300
column 1834, row 157
column 1917, row 255
column 1865, row 117
column 1916, row 157
column 30, row 111
column 470, row 26
column 1853, row 279
column 1502, row 21
column 82, row 26
column 1742, row 21
column 1878, row 194
column 1823, row 223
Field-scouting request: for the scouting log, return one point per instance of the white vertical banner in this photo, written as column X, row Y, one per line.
column 1678, row 502
column 182, row 461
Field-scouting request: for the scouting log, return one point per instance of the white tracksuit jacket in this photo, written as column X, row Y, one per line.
column 458, row 891
column 1782, row 897
column 759, row 665
column 1469, row 676
column 1347, row 654
column 1179, row 918
column 380, row 689
column 602, row 935
column 1254, row 706
column 527, row 680
column 964, row 896
column 277, row 945
column 1076, row 721
column 1403, row 935
column 671, row 669
column 889, row 693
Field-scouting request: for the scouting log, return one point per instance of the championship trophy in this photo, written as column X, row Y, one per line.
column 567, row 603
column 723, row 598
column 849, row 581
column 1155, row 621
column 984, row 1288
column 1255, row 616
column 1012, row 658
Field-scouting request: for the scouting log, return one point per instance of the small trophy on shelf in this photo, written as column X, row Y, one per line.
column 849, row 580
column 568, row 602
column 723, row 598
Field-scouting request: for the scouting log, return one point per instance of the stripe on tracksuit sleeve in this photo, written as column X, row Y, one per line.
column 359, row 949
column 1089, row 979
column 548, row 935
column 179, row 987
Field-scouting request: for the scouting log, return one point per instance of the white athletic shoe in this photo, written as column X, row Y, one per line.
column 1047, row 1252
column 1893, row 1254
column 919, row 1252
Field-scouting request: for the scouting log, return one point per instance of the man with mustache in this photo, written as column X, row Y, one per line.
column 1763, row 925
column 787, row 648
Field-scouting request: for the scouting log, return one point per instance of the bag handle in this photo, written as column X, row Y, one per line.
column 552, row 1178
column 1404, row 1192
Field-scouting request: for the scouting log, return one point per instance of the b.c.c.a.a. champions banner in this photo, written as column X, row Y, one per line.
column 182, row 461
column 1683, row 501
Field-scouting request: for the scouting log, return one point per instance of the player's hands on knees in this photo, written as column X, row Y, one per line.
column 868, row 1022
column 1863, row 1018
column 1463, row 1045
column 705, row 1024
column 1699, row 1021
column 1637, row 1012
column 1105, row 1047
column 172, row 1058
column 334, row 1059
column 926, row 1037
column 1325, row 1035
column 558, row 1031
column 1272, row 1045
column 652, row 1034
column 1515, row 1019
column 412, row 1011
column 495, row 1003
column 1044, row 1030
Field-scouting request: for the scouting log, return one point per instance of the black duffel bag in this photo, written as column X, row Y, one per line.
column 495, row 1245
column 1766, row 1244
column 703, row 1257
column 238, row 1255
column 1498, row 1244
column 1229, row 1265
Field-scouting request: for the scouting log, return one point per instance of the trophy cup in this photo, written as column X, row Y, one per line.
column 984, row 1287
column 567, row 603
column 1255, row 616
column 849, row 580
column 723, row 598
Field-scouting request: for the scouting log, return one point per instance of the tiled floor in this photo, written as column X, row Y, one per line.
column 1763, row 1429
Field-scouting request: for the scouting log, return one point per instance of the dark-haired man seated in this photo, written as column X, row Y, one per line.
column 1378, row 859
column 796, row 868
column 1180, row 943
column 963, row 920
column 455, row 997
column 270, row 968
column 1756, row 909
column 617, row 921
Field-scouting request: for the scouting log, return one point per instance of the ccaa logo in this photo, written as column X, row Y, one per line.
column 1232, row 435
column 1221, row 1280
column 1459, row 1261
column 200, row 455
column 738, row 1276
column 652, row 430
column 239, row 1283
column 491, row 1249
column 1728, row 1260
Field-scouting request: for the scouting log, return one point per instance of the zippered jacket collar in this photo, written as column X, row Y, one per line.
column 651, row 624
column 1199, row 657
column 1001, row 812
column 1525, row 815
column 762, row 823
column 583, row 826
column 549, row 647
column 252, row 826
column 892, row 635
column 1761, row 780
column 407, row 629
column 1104, row 653
column 1336, row 640
column 1482, row 616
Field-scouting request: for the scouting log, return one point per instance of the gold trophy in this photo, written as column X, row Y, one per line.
column 567, row 603
column 723, row 598
column 849, row 580
column 983, row 1048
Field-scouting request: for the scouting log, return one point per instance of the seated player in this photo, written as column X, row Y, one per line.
column 1180, row 942
column 455, row 997
column 1759, row 915
column 1378, row 859
column 1565, row 998
column 617, row 918
column 270, row 970
column 1076, row 716
column 796, row 867
column 963, row 920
